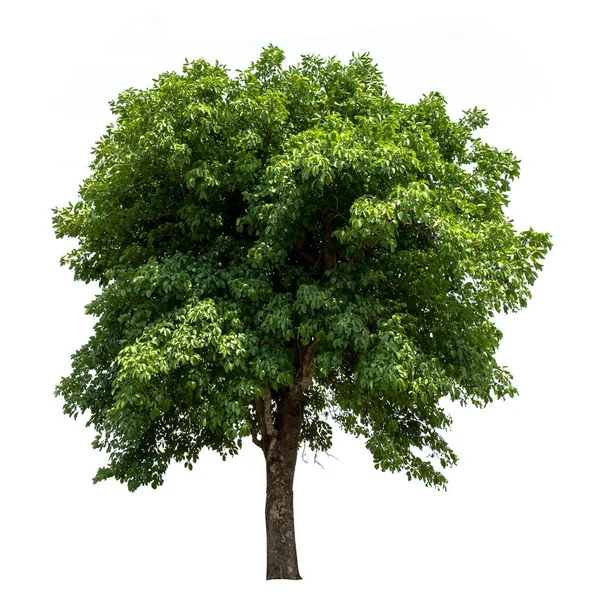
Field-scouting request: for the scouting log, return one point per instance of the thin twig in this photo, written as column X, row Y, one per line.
column 304, row 452
column 316, row 461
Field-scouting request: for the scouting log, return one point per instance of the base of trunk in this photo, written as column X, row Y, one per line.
column 280, row 438
column 292, row 574
column 282, row 560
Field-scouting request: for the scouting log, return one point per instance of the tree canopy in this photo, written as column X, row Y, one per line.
column 238, row 224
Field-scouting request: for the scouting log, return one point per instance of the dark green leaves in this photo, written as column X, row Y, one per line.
column 231, row 220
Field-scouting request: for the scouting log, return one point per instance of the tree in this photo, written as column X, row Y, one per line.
column 282, row 250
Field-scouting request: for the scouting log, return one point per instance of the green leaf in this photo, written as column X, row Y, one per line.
column 284, row 231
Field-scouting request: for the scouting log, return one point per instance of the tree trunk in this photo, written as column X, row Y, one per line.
column 279, row 422
column 282, row 560
column 281, row 452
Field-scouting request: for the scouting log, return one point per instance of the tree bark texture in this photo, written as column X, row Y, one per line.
column 282, row 560
column 279, row 421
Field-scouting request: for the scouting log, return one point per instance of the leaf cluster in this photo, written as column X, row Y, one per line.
column 231, row 220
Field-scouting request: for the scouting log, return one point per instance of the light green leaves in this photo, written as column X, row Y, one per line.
column 233, row 219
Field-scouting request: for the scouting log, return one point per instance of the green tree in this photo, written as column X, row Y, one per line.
column 281, row 250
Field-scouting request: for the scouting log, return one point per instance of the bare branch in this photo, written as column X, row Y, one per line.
column 253, row 430
column 316, row 461
column 264, row 415
column 268, row 412
column 304, row 452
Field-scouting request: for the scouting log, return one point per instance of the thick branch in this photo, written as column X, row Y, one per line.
column 264, row 415
column 302, row 380
column 303, row 255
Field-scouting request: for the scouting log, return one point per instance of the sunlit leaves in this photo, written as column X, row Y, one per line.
column 233, row 218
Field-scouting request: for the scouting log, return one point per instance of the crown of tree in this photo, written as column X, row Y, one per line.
column 283, row 249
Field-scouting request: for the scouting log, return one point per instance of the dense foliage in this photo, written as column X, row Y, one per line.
column 232, row 222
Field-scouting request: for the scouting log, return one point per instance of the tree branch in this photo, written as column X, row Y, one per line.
column 268, row 134
column 253, row 430
column 264, row 415
column 421, row 228
column 307, row 258
column 328, row 251
column 317, row 460
column 303, row 379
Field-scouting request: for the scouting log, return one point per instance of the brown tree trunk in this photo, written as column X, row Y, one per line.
column 281, row 452
column 282, row 560
column 279, row 422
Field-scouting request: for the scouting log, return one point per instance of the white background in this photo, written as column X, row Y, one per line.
column 520, row 518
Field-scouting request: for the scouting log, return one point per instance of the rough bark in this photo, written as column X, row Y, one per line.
column 282, row 560
column 280, row 423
